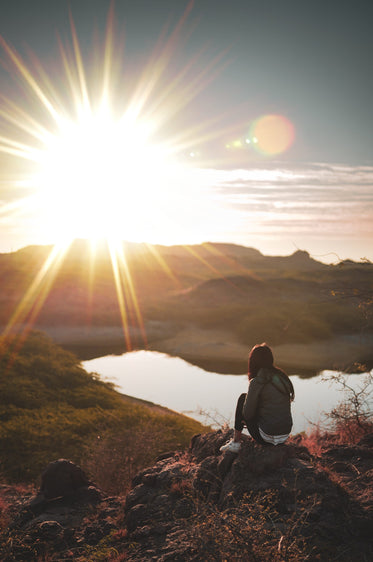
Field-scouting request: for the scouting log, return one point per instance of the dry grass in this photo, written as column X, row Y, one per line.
column 4, row 513
column 114, row 459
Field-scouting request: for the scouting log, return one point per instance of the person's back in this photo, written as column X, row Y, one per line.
column 273, row 410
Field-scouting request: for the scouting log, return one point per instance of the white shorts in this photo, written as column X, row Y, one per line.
column 273, row 439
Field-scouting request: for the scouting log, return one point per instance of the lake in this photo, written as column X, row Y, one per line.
column 205, row 396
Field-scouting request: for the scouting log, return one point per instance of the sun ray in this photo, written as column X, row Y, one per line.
column 108, row 55
column 97, row 162
column 29, row 78
column 80, row 67
column 34, row 298
column 17, row 207
column 153, row 71
column 130, row 291
column 16, row 148
column 236, row 266
column 164, row 264
column 202, row 260
column 120, row 296
column 23, row 120
column 216, row 271
column 91, row 275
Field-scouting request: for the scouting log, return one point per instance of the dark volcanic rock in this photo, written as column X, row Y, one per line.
column 53, row 523
column 62, row 478
column 263, row 503
column 285, row 481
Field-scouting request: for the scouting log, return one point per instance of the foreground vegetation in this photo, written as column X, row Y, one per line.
column 51, row 408
column 280, row 503
column 310, row 499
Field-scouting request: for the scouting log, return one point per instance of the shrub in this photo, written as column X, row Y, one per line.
column 50, row 407
column 352, row 417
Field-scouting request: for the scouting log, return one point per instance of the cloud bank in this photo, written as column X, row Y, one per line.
column 322, row 206
column 274, row 207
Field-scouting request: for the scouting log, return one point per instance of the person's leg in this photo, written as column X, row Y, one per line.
column 234, row 445
column 253, row 429
column 238, row 419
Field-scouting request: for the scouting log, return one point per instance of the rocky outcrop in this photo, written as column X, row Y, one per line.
column 281, row 495
column 262, row 503
column 63, row 521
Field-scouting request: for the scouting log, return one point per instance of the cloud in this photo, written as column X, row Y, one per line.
column 330, row 196
column 274, row 207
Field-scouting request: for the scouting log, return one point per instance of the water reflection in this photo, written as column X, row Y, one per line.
column 206, row 396
column 218, row 366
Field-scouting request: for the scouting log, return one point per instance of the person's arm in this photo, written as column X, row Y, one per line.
column 252, row 398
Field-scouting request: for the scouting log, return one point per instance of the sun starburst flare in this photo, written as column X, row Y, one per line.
column 96, row 165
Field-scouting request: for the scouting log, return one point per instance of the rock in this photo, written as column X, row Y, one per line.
column 137, row 495
column 205, row 445
column 62, row 478
column 348, row 452
column 137, row 516
column 184, row 508
column 207, row 479
column 263, row 503
column 55, row 519
column 284, row 477
column 51, row 530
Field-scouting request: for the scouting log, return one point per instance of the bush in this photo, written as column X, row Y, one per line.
column 352, row 417
column 50, row 407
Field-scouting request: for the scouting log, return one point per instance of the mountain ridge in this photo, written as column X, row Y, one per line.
column 212, row 288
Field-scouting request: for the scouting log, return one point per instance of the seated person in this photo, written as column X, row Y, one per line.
column 265, row 409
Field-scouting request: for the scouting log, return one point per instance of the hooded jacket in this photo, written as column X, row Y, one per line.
column 268, row 401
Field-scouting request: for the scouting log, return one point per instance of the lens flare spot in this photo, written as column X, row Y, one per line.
column 272, row 134
column 237, row 143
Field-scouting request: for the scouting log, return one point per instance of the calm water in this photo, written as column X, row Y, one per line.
column 207, row 397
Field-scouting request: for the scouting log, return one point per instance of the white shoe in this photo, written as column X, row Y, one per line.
column 231, row 446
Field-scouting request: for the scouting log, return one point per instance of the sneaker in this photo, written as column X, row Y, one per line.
column 231, row 446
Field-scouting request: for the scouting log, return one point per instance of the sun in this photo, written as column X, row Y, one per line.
column 102, row 177
column 106, row 165
column 96, row 164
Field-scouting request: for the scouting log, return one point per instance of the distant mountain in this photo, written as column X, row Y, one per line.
column 212, row 286
column 215, row 253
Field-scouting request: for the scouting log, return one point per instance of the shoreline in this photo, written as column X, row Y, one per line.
column 214, row 350
column 338, row 353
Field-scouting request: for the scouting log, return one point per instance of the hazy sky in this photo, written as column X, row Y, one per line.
column 308, row 62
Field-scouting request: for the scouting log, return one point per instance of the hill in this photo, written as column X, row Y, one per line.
column 160, row 295
column 153, row 485
column 51, row 407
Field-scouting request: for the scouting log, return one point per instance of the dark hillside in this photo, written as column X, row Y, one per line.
column 220, row 291
column 51, row 407
column 153, row 290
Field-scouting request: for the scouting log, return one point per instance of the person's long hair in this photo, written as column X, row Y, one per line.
column 260, row 356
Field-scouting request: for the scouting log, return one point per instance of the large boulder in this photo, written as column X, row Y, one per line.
column 56, row 520
column 62, row 478
column 283, row 491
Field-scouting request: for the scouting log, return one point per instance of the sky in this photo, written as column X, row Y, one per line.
column 243, row 121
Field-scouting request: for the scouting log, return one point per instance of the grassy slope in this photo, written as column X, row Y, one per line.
column 50, row 407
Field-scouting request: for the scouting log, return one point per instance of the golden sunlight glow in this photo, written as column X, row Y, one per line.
column 100, row 178
column 91, row 169
column 104, row 167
